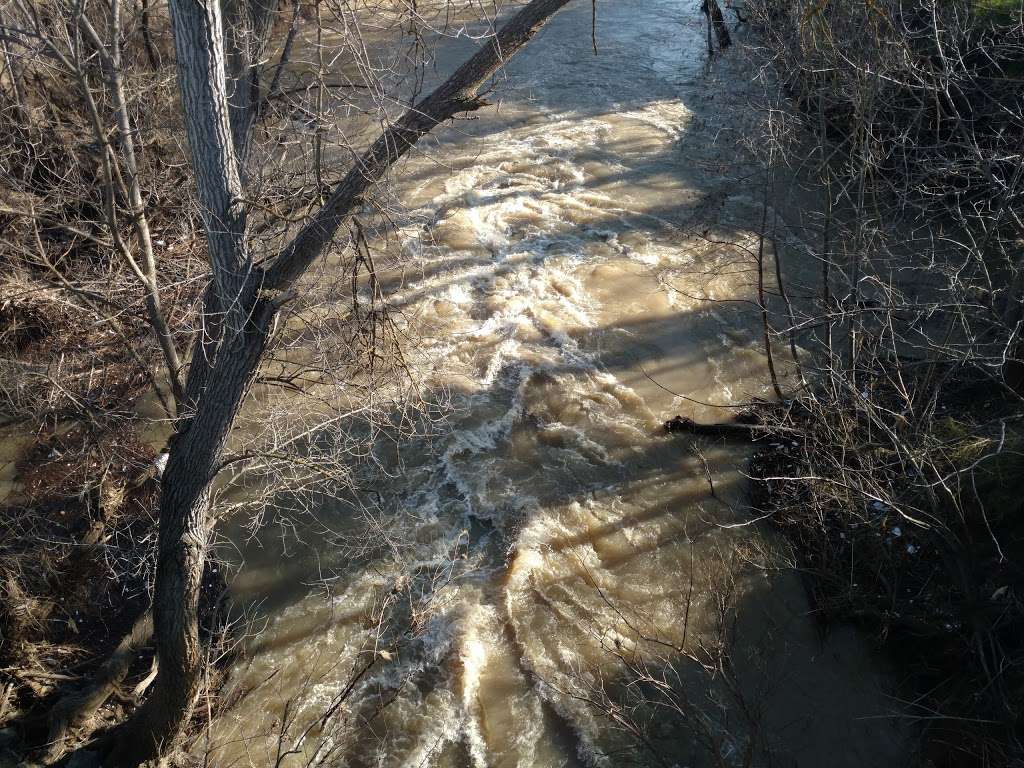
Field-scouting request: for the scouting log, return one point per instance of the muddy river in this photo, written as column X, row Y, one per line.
column 562, row 583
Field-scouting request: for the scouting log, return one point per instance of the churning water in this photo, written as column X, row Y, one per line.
column 559, row 559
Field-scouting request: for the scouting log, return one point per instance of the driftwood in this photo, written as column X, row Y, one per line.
column 747, row 425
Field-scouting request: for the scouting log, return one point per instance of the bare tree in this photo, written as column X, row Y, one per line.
column 211, row 354
column 217, row 77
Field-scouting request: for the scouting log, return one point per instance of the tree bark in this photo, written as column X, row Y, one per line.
column 717, row 21
column 198, row 29
column 248, row 24
column 147, row 37
column 185, row 524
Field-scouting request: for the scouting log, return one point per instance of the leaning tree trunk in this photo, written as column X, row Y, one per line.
column 222, row 368
column 185, row 524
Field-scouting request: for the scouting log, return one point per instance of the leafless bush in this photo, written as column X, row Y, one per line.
column 902, row 491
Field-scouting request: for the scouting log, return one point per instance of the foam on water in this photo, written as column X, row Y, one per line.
column 553, row 526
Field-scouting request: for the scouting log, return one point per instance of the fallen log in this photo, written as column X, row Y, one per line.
column 747, row 425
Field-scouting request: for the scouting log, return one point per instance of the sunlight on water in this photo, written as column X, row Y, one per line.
column 556, row 280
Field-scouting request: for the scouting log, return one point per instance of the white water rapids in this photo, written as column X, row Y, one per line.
column 556, row 545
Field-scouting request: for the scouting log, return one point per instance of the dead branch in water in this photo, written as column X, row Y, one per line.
column 716, row 22
column 746, row 426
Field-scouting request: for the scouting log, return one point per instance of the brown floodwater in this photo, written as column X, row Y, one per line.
column 577, row 268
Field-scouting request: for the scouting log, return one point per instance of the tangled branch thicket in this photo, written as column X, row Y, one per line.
column 904, row 494
column 102, row 274
column 77, row 352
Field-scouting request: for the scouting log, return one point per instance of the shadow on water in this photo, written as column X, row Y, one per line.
column 276, row 566
column 644, row 494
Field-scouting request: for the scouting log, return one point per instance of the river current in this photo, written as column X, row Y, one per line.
column 565, row 584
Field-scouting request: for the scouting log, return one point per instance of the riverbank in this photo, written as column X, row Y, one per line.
column 85, row 406
column 77, row 558
column 901, row 490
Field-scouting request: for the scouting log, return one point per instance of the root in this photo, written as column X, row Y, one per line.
column 76, row 711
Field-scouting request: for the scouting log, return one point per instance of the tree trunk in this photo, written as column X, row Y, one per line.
column 225, row 361
column 198, row 28
column 717, row 21
column 185, row 524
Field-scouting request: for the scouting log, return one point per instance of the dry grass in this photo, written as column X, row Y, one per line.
column 75, row 565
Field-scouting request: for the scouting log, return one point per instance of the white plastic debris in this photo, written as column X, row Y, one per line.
column 160, row 462
column 897, row 532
